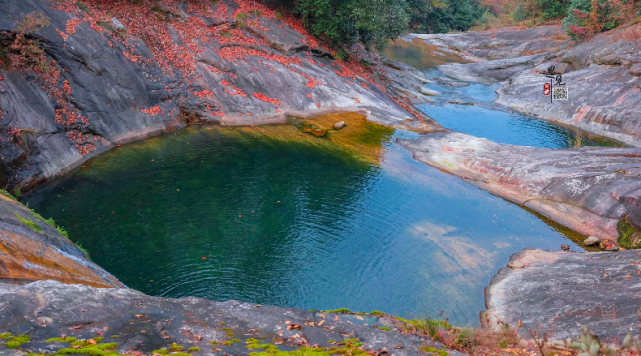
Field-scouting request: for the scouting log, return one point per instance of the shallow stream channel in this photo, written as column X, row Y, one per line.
column 275, row 215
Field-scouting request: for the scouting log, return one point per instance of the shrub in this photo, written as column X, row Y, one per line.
column 343, row 23
column 553, row 9
column 588, row 17
column 439, row 16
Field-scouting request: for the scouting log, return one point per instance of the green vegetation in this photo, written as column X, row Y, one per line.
column 82, row 249
column 384, row 328
column 254, row 344
column 160, row 351
column 373, row 23
column 629, row 237
column 7, row 194
column 91, row 350
column 15, row 341
column 427, row 325
column 193, row 349
column 175, row 347
column 378, row 313
column 231, row 342
column 582, row 19
column 28, row 222
column 59, row 339
column 346, row 347
column 553, row 9
column 585, row 18
column 339, row 310
column 433, row 350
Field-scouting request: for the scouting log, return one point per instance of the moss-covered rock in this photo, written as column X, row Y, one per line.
column 629, row 237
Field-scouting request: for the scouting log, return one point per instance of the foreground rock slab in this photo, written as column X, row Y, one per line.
column 140, row 323
column 561, row 291
column 595, row 191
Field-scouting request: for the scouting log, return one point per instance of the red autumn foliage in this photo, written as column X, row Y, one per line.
column 262, row 97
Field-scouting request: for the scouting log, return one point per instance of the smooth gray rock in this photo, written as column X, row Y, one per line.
column 559, row 292
column 492, row 71
column 111, row 91
column 47, row 309
column 589, row 189
column 591, row 241
column 429, row 92
column 501, row 43
column 117, row 25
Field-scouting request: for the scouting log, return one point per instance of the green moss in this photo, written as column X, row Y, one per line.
column 82, row 249
column 59, row 339
column 28, row 222
column 193, row 349
column 91, row 350
column 385, row 328
column 339, row 310
column 32, row 354
column 214, row 342
column 176, row 347
column 15, row 341
column 378, row 313
column 222, row 323
column 629, row 237
column 304, row 351
column 114, row 336
column 231, row 342
column 255, row 344
column 428, row 325
column 433, row 350
column 7, row 194
column 6, row 336
column 242, row 16
column 160, row 351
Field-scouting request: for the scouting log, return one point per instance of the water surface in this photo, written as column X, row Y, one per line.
column 271, row 215
column 470, row 108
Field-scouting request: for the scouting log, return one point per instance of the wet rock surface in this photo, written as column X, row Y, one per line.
column 122, row 93
column 140, row 323
column 601, row 75
column 561, row 291
column 504, row 43
column 594, row 191
column 31, row 249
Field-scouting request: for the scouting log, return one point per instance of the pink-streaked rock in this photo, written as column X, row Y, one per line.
column 587, row 189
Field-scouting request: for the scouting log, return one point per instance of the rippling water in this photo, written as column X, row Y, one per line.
column 221, row 214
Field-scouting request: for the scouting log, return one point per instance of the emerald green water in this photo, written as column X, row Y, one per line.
column 232, row 214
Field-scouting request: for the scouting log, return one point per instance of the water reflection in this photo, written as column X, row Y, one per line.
column 418, row 54
column 230, row 214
